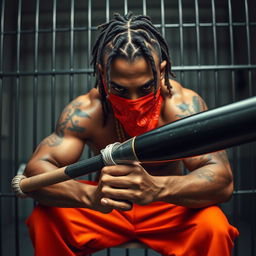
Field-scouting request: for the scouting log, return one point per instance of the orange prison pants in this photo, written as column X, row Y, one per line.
column 166, row 228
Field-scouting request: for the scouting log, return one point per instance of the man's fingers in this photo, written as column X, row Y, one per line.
column 117, row 204
column 116, row 182
column 119, row 170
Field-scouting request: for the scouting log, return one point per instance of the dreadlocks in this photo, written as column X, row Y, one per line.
column 129, row 37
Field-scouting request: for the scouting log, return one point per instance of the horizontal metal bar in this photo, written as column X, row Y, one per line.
column 47, row 73
column 213, row 67
column 90, row 70
column 241, row 192
column 7, row 195
column 236, row 192
column 173, row 25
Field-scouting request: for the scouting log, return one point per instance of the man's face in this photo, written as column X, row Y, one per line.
column 132, row 80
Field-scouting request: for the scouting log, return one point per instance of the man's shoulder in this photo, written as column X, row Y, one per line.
column 89, row 102
column 89, row 98
column 179, row 92
column 80, row 114
column 182, row 102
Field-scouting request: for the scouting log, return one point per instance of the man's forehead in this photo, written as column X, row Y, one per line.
column 126, row 62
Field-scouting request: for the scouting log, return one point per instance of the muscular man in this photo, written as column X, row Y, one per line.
column 174, row 214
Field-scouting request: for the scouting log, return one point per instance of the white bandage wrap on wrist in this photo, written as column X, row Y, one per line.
column 16, row 185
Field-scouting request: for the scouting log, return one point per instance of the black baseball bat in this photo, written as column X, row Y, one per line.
column 202, row 133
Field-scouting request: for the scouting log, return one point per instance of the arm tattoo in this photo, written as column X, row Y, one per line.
column 204, row 158
column 205, row 174
column 190, row 109
column 224, row 157
column 72, row 111
column 53, row 140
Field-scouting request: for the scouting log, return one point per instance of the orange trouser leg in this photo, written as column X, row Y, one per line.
column 168, row 229
column 177, row 230
column 76, row 231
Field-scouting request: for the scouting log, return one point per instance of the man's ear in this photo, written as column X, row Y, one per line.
column 162, row 68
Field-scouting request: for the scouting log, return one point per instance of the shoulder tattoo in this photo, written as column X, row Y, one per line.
column 197, row 105
column 69, row 120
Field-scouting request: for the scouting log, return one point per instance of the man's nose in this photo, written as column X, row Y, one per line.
column 133, row 96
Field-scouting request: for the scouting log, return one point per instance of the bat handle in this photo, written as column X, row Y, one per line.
column 16, row 185
column 21, row 184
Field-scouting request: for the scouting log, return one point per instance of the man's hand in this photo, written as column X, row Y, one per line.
column 95, row 197
column 121, row 184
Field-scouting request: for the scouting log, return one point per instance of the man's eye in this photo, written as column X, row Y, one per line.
column 147, row 87
column 118, row 89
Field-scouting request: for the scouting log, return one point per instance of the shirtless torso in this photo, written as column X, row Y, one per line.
column 210, row 177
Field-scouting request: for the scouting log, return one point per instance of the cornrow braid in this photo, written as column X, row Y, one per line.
column 128, row 36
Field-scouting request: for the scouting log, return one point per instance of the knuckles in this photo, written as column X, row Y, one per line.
column 105, row 170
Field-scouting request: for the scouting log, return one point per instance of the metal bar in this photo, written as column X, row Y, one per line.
column 162, row 18
column 198, row 50
column 235, row 193
column 234, row 150
column 172, row 25
column 89, row 34
column 2, row 36
column 90, row 71
column 125, row 7
column 251, row 149
column 214, row 31
column 7, row 195
column 17, row 125
column 71, row 52
column 35, row 85
column 53, row 66
column 144, row 6
column 246, row 191
column 107, row 12
column 1, row 176
column 89, row 41
column 1, row 101
column 181, row 41
column 1, row 104
column 249, row 56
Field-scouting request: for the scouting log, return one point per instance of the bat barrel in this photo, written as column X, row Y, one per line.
column 201, row 133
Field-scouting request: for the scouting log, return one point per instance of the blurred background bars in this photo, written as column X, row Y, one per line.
column 45, row 52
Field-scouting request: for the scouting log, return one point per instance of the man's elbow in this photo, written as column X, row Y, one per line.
column 228, row 190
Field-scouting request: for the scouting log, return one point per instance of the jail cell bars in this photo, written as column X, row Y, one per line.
column 45, row 51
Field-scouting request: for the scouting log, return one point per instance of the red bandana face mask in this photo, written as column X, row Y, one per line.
column 137, row 116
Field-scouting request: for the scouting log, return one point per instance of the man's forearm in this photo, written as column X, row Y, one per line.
column 200, row 188
column 69, row 194
column 65, row 194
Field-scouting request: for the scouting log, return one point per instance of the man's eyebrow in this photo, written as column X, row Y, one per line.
column 147, row 83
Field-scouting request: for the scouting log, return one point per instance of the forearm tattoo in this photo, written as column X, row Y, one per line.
column 67, row 122
column 196, row 106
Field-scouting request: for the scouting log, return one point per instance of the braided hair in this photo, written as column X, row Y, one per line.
column 128, row 36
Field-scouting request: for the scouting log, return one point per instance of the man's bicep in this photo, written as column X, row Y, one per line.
column 59, row 150
column 65, row 145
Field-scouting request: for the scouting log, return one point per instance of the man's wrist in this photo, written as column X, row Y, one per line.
column 168, row 188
